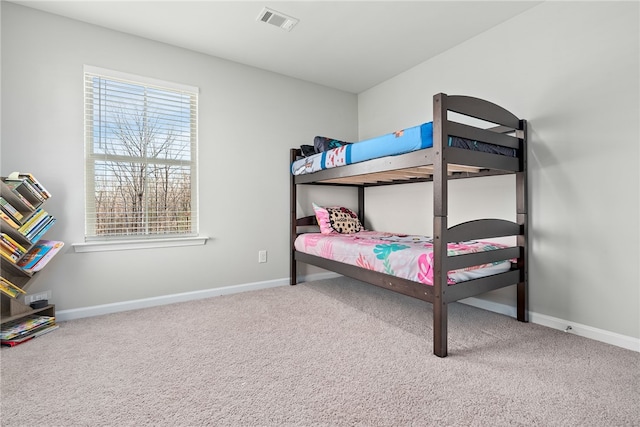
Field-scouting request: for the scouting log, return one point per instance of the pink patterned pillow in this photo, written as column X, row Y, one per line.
column 337, row 219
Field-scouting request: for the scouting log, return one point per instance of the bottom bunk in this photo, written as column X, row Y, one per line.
column 406, row 263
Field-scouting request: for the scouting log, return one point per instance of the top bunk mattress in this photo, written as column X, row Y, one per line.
column 399, row 142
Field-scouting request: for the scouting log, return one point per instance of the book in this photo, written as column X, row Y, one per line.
column 35, row 218
column 9, row 288
column 27, row 185
column 13, row 185
column 8, row 245
column 10, row 209
column 8, row 255
column 34, row 255
column 32, row 180
column 40, row 232
column 37, row 226
column 41, row 331
column 20, row 327
column 10, row 250
column 5, row 237
column 6, row 218
column 55, row 247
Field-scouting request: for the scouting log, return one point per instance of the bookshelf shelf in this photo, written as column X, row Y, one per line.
column 23, row 223
column 49, row 310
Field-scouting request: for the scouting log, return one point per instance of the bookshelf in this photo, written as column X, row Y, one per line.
column 23, row 223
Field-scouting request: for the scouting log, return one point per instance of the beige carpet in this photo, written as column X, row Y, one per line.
column 328, row 353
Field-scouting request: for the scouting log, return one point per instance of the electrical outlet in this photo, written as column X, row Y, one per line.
column 40, row 296
column 262, row 256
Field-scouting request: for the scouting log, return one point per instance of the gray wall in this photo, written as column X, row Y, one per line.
column 571, row 69
column 241, row 116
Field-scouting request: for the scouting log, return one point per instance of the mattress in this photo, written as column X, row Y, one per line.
column 400, row 255
column 400, row 142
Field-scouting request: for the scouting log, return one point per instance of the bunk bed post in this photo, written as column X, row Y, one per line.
column 522, row 219
column 361, row 204
column 293, row 230
column 440, row 198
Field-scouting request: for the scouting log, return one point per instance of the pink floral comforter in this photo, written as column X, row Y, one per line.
column 401, row 255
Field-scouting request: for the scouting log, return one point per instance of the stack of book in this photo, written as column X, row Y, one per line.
column 37, row 225
column 19, row 207
column 39, row 255
column 10, row 249
column 34, row 259
column 24, row 329
column 29, row 182
column 9, row 289
column 9, row 213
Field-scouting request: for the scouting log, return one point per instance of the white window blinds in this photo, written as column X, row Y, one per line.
column 140, row 155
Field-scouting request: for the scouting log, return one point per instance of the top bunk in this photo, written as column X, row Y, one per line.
column 468, row 137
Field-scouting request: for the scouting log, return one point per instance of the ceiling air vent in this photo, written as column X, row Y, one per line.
column 278, row 19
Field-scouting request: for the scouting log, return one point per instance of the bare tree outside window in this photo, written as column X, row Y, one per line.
column 141, row 160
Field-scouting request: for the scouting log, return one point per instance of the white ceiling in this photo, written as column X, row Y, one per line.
column 348, row 45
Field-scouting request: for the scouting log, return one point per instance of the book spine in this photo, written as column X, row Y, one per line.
column 16, row 341
column 6, row 218
column 27, row 185
column 24, row 326
column 43, row 225
column 35, row 217
column 37, row 184
column 36, row 226
column 10, row 209
column 9, row 288
column 43, row 230
column 13, row 254
column 33, row 190
column 10, row 257
column 14, row 190
column 15, row 244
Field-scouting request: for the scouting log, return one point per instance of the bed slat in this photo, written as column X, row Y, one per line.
column 400, row 175
column 402, row 161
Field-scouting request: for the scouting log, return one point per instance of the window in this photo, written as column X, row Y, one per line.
column 140, row 157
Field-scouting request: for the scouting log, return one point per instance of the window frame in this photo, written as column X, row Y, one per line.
column 94, row 242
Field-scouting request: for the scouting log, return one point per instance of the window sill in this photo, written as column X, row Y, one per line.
column 122, row 245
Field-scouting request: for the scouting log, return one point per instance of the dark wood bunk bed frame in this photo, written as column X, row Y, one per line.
column 440, row 164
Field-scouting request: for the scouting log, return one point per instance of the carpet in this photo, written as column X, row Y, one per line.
column 327, row 353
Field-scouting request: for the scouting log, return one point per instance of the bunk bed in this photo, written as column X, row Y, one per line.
column 447, row 148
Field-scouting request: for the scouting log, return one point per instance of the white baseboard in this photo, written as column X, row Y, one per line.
column 97, row 310
column 612, row 338
column 601, row 335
